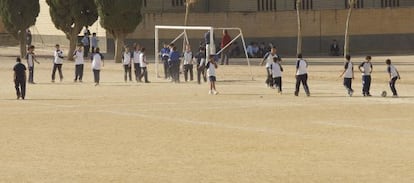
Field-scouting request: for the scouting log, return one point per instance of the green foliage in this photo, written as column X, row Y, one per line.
column 71, row 16
column 18, row 15
column 119, row 16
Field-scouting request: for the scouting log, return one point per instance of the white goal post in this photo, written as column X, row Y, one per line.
column 208, row 52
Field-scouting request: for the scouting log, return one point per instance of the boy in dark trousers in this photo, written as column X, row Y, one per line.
column 174, row 65
column 394, row 75
column 277, row 70
column 201, row 65
column 348, row 74
column 126, row 62
column 302, row 75
column 20, row 79
column 31, row 59
column 165, row 54
column 366, row 70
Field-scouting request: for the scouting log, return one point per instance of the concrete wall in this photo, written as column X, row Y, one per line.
column 372, row 30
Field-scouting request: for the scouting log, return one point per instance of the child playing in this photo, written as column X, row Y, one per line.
column 269, row 59
column 57, row 63
column 201, row 65
column 211, row 71
column 366, row 76
column 97, row 64
column 394, row 75
column 302, row 75
column 126, row 62
column 165, row 53
column 79, row 62
column 137, row 67
column 277, row 70
column 348, row 74
column 31, row 59
column 188, row 63
column 143, row 64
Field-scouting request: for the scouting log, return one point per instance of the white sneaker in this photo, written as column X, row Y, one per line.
column 210, row 92
column 215, row 92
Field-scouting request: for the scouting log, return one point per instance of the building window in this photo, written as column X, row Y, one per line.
column 266, row 5
column 358, row 4
column 390, row 3
column 305, row 4
column 178, row 2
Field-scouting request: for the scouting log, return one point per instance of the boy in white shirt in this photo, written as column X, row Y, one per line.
column 302, row 75
column 143, row 64
column 79, row 61
column 31, row 59
column 394, row 75
column 126, row 62
column 348, row 74
column 269, row 59
column 211, row 73
column 135, row 58
column 366, row 76
column 277, row 70
column 57, row 63
column 188, row 63
column 97, row 64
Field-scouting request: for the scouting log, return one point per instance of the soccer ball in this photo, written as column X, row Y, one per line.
column 384, row 94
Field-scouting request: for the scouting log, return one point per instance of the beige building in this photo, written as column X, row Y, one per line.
column 378, row 26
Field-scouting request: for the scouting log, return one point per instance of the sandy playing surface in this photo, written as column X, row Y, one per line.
column 164, row 132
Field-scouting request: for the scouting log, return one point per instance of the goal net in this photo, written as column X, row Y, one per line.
column 210, row 50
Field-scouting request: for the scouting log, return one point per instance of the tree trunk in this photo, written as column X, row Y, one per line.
column 119, row 44
column 299, row 43
column 348, row 19
column 22, row 41
column 73, row 40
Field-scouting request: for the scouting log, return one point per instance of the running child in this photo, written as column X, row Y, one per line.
column 394, row 75
column 269, row 59
column 348, row 75
column 277, row 70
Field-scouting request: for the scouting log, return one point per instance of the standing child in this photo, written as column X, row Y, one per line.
column 143, row 64
column 94, row 42
column 269, row 59
column 57, row 63
column 165, row 52
column 137, row 67
column 366, row 76
column 97, row 64
column 277, row 70
column 31, row 59
column 348, row 74
column 394, row 75
column 126, row 62
column 302, row 75
column 174, row 65
column 19, row 78
column 79, row 61
column 188, row 63
column 211, row 71
column 201, row 65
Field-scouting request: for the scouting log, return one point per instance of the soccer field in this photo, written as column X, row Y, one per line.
column 164, row 132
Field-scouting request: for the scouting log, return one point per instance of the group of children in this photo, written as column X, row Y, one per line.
column 274, row 71
column 138, row 58
column 172, row 63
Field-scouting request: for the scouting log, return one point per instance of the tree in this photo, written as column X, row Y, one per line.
column 71, row 20
column 351, row 4
column 119, row 18
column 299, row 43
column 17, row 17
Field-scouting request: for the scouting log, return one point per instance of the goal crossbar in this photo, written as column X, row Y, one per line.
column 210, row 51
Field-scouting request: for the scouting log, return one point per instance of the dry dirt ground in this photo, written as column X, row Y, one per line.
column 164, row 132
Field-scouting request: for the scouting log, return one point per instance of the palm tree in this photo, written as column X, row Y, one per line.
column 351, row 4
column 299, row 43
